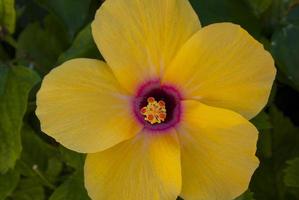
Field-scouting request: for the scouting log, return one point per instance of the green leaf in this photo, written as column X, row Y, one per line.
column 265, row 183
column 285, row 48
column 285, row 136
column 82, row 47
column 3, row 54
column 7, row 15
column 54, row 169
column 281, row 145
column 41, row 45
column 72, row 13
column 28, row 189
column 291, row 177
column 263, row 124
column 35, row 150
column 72, row 158
column 259, row 6
column 293, row 16
column 13, row 104
column 3, row 76
column 39, row 160
column 274, row 17
column 264, row 145
column 73, row 189
column 246, row 196
column 262, row 121
column 8, row 182
column 236, row 11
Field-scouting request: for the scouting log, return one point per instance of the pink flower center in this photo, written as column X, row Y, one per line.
column 156, row 106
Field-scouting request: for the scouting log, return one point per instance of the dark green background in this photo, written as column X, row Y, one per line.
column 37, row 35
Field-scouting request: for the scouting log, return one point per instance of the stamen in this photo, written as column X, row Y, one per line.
column 154, row 112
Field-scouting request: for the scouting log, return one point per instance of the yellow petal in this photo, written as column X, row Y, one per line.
column 218, row 152
column 223, row 66
column 138, row 38
column 81, row 105
column 146, row 167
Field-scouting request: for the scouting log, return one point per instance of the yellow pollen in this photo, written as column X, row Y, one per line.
column 154, row 112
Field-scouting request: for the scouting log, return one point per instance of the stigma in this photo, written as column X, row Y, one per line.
column 154, row 112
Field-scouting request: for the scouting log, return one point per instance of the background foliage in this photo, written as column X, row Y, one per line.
column 37, row 35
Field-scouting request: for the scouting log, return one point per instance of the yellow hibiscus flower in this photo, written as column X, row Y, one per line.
column 167, row 115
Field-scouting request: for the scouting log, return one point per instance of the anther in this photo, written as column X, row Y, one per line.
column 154, row 112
